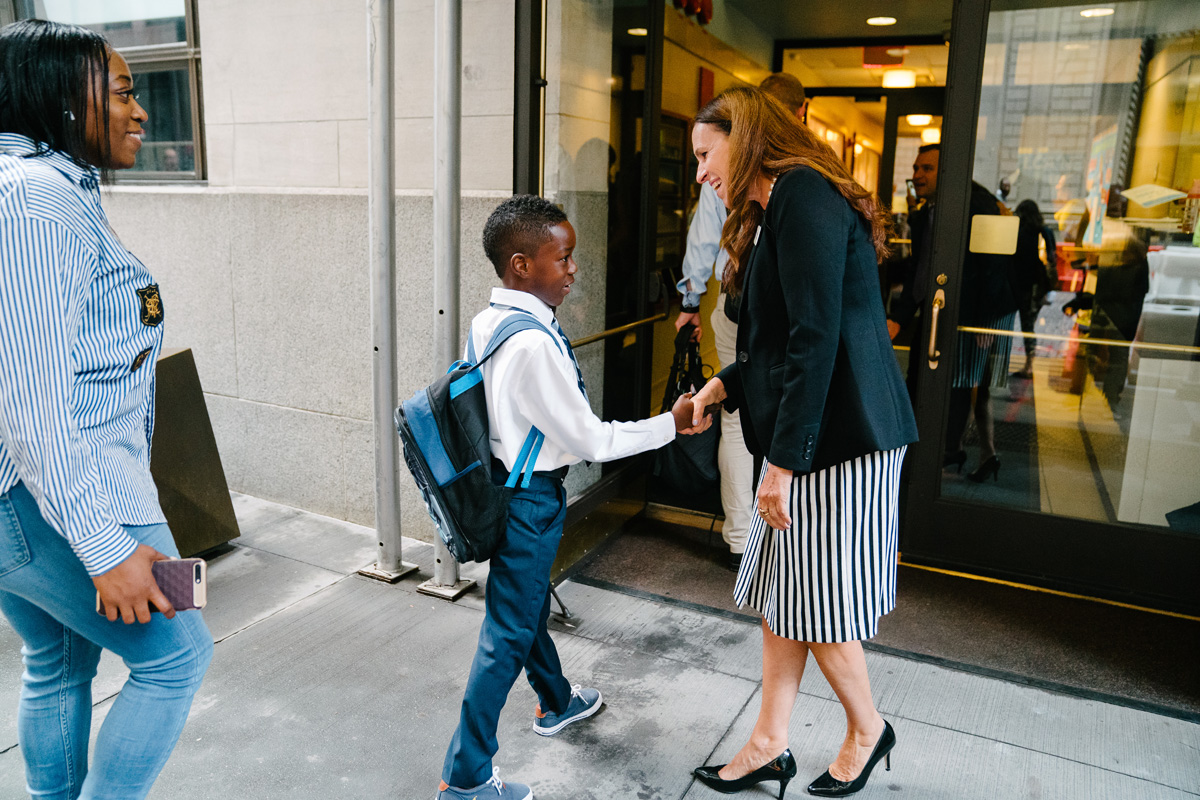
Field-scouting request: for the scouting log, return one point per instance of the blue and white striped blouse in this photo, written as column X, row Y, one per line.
column 80, row 331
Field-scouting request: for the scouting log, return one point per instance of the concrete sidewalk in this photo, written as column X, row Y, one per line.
column 328, row 685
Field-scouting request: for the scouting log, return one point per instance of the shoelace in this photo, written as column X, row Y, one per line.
column 495, row 780
column 577, row 690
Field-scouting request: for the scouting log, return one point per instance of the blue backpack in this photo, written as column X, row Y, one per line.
column 444, row 430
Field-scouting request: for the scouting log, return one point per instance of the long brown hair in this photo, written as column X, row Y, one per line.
column 765, row 139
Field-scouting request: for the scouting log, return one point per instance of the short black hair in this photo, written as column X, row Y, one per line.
column 521, row 224
column 786, row 88
column 930, row 148
column 47, row 72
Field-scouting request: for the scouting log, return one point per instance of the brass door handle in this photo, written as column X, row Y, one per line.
column 939, row 302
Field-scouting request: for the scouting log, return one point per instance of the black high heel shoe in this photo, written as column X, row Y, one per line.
column 990, row 467
column 829, row 786
column 781, row 769
column 955, row 460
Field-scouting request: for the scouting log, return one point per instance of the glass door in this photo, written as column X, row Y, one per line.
column 1058, row 388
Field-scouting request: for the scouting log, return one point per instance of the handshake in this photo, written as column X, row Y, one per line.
column 693, row 413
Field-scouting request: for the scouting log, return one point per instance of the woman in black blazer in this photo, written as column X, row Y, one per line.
column 824, row 404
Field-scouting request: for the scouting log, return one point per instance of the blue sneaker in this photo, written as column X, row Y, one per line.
column 584, row 703
column 491, row 789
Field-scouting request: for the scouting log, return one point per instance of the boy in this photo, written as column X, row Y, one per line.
column 532, row 380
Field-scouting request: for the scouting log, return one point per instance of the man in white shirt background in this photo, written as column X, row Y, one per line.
column 704, row 257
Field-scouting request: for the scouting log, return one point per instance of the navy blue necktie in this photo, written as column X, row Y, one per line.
column 571, row 352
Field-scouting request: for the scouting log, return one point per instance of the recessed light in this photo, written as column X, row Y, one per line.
column 831, row 136
column 919, row 120
column 881, row 21
column 931, row 136
column 637, row 31
column 865, row 142
column 897, row 51
column 1097, row 12
column 899, row 79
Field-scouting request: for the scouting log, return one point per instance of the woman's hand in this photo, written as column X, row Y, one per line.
column 713, row 392
column 128, row 588
column 775, row 496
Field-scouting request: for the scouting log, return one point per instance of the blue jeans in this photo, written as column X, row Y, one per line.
column 514, row 635
column 50, row 601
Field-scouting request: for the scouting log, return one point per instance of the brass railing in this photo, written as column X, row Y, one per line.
column 595, row 337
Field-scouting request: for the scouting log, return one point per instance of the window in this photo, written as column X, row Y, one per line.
column 159, row 40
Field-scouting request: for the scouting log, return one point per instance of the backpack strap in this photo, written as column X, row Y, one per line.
column 522, row 320
column 526, row 459
column 512, row 324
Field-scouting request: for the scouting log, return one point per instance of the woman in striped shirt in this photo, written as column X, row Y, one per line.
column 824, row 405
column 80, row 329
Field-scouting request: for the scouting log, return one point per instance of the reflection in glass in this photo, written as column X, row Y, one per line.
column 125, row 23
column 168, row 145
column 1097, row 413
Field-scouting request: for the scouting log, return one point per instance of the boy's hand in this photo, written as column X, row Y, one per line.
column 682, row 412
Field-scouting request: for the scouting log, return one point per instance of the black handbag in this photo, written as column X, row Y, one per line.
column 688, row 465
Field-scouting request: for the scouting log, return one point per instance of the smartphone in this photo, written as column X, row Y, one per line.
column 912, row 190
column 184, row 581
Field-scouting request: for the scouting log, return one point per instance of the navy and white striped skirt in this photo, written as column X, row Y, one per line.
column 972, row 360
column 833, row 574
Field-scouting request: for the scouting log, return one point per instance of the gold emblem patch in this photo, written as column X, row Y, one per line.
column 152, row 309
column 140, row 358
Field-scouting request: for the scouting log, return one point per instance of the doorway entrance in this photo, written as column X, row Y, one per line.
column 1080, row 428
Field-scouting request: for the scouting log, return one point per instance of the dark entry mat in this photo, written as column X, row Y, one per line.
column 1108, row 653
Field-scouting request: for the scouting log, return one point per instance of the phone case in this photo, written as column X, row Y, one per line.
column 184, row 581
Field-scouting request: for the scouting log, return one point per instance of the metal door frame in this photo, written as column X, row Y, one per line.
column 1131, row 563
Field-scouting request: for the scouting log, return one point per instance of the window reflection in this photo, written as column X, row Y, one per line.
column 1089, row 128
column 168, row 145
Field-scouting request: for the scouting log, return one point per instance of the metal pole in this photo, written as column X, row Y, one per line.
column 381, row 215
column 447, row 185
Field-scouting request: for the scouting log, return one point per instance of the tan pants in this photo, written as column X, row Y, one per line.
column 735, row 462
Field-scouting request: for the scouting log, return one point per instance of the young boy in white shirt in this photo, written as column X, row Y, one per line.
column 532, row 380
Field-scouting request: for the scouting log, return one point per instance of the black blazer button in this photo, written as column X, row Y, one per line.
column 743, row 357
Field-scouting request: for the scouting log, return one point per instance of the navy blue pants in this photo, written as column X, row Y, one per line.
column 514, row 635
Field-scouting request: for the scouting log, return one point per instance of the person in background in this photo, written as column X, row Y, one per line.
column 1033, row 281
column 988, row 299
column 824, row 404
column 906, row 307
column 80, row 330
column 704, row 258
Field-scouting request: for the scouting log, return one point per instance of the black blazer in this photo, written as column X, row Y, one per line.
column 815, row 376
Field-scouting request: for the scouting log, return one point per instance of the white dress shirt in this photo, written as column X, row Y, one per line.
column 532, row 381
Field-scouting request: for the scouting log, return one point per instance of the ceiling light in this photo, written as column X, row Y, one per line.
column 897, row 51
column 865, row 142
column 858, row 149
column 637, row 31
column 931, row 136
column 881, row 21
column 919, row 120
column 831, row 136
column 1097, row 12
column 1075, row 46
column 899, row 79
